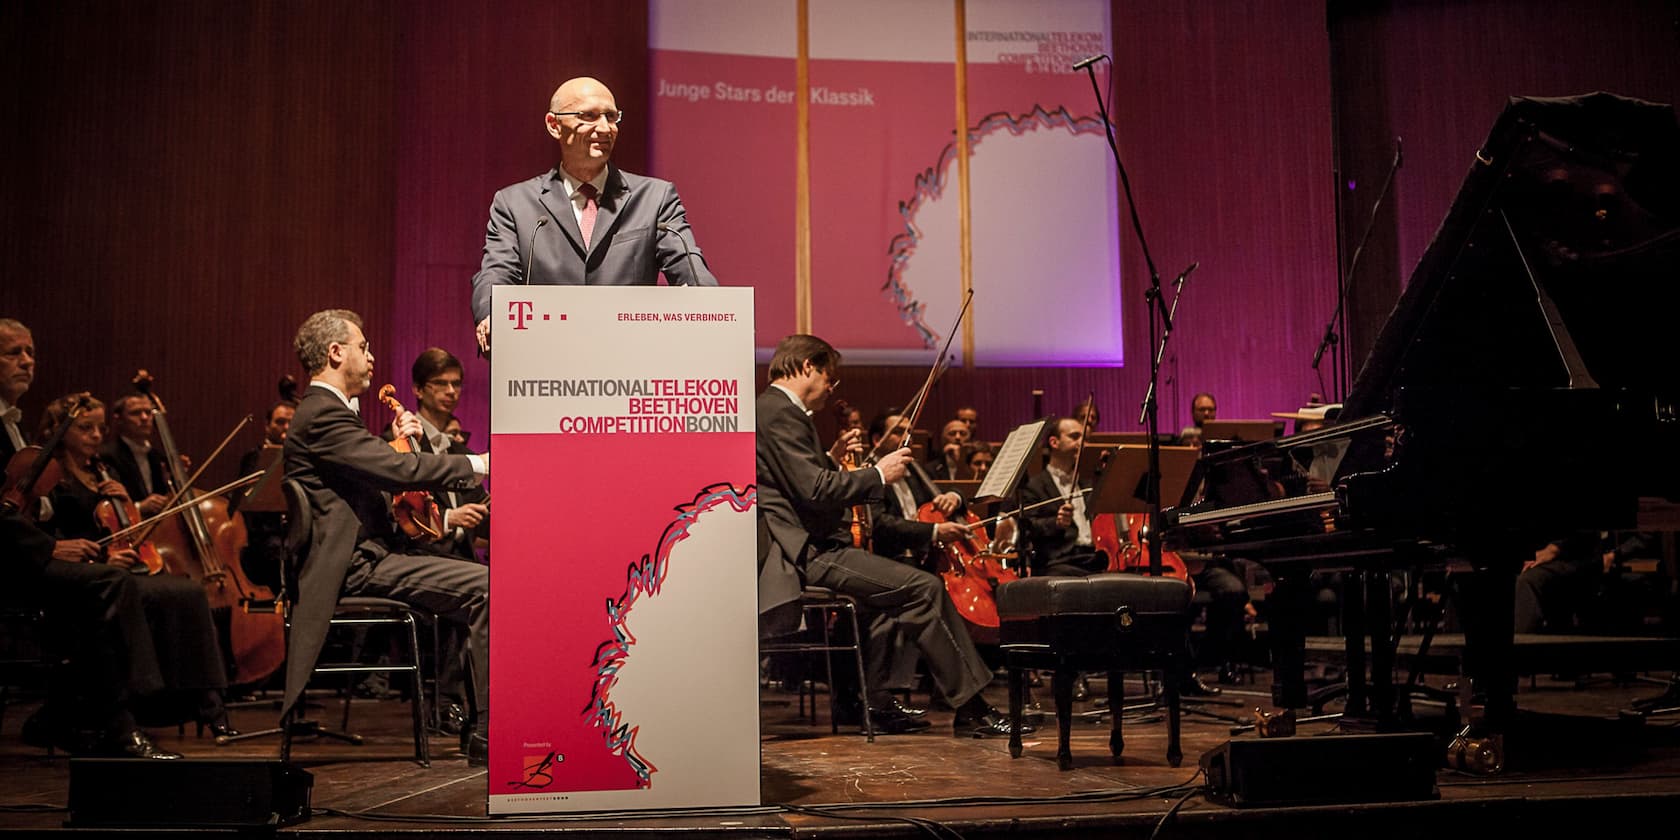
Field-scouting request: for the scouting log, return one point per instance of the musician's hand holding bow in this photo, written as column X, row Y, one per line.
column 1064, row 514
column 466, row 516
column 949, row 532
column 894, row 465
column 76, row 551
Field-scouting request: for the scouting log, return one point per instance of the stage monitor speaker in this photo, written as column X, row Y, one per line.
column 187, row 793
column 1323, row 770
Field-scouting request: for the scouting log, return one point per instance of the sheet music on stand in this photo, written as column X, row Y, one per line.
column 1010, row 463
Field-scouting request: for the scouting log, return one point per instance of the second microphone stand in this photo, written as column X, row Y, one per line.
column 1158, row 310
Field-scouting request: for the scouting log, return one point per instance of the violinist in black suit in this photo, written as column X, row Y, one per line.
column 438, row 378
column 353, row 548
column 803, row 498
column 438, row 382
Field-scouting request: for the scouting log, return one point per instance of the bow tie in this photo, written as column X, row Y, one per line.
column 13, row 415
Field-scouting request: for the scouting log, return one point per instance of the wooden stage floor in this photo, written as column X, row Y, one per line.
column 1575, row 768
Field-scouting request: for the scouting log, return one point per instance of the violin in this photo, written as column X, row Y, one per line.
column 117, row 515
column 204, row 543
column 853, row 461
column 416, row 511
column 33, row 472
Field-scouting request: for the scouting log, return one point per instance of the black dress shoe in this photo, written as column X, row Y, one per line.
column 992, row 724
column 134, row 744
column 41, row 730
column 891, row 721
column 908, row 711
column 1192, row 686
column 478, row 750
column 452, row 719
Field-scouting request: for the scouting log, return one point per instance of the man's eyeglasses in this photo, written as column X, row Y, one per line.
column 590, row 117
column 445, row 384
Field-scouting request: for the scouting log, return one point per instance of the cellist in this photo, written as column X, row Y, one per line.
column 897, row 532
column 803, row 497
column 189, row 683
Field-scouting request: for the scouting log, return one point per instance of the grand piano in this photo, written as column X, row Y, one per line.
column 1526, row 385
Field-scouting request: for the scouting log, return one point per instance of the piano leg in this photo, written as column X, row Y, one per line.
column 1379, row 625
column 1353, row 634
column 1287, row 607
column 1489, row 616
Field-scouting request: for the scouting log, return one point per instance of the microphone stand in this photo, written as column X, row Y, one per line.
column 1156, row 301
column 1340, row 374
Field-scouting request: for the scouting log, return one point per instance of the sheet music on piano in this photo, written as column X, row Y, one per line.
column 1010, row 462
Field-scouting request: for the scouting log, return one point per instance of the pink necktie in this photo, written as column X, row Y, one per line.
column 590, row 208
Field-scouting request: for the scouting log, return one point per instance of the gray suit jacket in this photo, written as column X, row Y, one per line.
column 343, row 469
column 629, row 248
column 802, row 502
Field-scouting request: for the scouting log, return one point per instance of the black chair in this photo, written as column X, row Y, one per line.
column 351, row 612
column 1112, row 622
column 26, row 651
column 820, row 605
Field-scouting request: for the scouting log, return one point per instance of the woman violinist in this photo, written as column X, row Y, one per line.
column 184, row 678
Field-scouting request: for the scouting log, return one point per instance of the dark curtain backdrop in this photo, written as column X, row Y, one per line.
column 1437, row 73
column 183, row 183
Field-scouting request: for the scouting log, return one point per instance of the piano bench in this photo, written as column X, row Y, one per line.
column 1112, row 622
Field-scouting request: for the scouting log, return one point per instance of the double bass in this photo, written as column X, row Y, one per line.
column 204, row 543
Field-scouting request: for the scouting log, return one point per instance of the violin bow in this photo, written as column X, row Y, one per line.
column 1084, row 429
column 940, row 364
column 192, row 479
column 152, row 521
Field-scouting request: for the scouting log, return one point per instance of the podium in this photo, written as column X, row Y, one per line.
column 623, row 593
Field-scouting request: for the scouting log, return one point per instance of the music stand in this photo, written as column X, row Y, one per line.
column 265, row 495
column 1247, row 431
column 1124, row 486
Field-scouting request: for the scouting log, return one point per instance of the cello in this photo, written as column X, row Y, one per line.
column 204, row 543
column 416, row 511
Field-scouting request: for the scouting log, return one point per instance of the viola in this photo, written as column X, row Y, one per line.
column 204, row 543
column 33, row 472
column 416, row 511
column 117, row 515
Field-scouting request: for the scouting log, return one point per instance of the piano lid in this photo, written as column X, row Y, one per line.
column 1556, row 266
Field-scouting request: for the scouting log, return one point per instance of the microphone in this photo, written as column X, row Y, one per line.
column 1087, row 62
column 1398, row 158
column 1184, row 275
column 693, row 274
column 531, row 255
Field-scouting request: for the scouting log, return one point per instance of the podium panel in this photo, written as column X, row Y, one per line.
column 623, row 581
